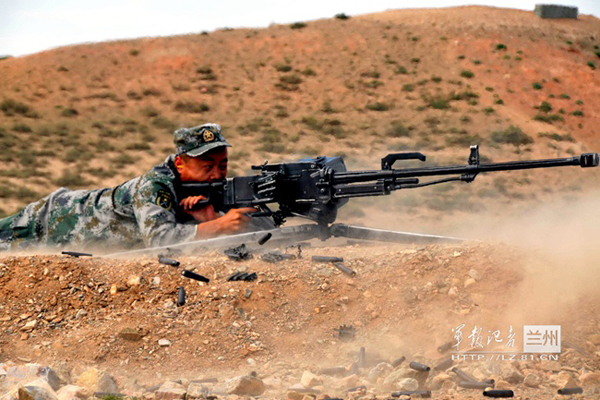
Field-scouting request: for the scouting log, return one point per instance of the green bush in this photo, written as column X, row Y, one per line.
column 436, row 79
column 283, row 67
column 134, row 52
column 591, row 65
column 398, row 130
column 548, row 118
column 370, row 74
column 501, row 46
column 544, row 107
column 191, row 107
column 489, row 110
column 408, row 87
column 559, row 138
column 342, row 16
column 205, row 70
column 71, row 180
column 308, row 72
column 512, row 135
column 298, row 25
column 163, row 123
column 437, row 102
column 377, row 106
column 464, row 95
column 21, row 127
column 579, row 102
column 415, row 60
column 11, row 107
column 373, row 84
column 578, row 113
column 69, row 112
column 133, row 95
column 465, row 73
column 537, row 86
column 400, row 70
column 564, row 96
column 151, row 92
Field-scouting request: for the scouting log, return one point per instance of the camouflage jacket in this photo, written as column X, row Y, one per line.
column 143, row 211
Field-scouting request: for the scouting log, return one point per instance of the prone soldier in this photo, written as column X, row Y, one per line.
column 144, row 211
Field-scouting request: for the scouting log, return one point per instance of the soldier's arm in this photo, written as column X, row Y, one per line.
column 155, row 210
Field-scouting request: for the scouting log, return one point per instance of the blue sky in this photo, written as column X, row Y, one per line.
column 30, row 26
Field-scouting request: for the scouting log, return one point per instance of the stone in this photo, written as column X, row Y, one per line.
column 532, row 381
column 590, row 378
column 81, row 313
column 38, row 389
column 96, row 380
column 407, row 384
column 565, row 380
column 245, row 385
column 469, row 282
column 475, row 275
column 170, row 393
column 164, row 342
column 70, row 392
column 24, row 373
column 134, row 280
column 29, row 326
column 130, row 334
column 500, row 384
column 196, row 391
column 452, row 292
column 347, row 382
column 310, row 380
column 438, row 381
column 551, row 365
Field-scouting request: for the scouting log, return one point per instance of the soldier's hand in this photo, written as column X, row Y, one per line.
column 203, row 214
column 233, row 221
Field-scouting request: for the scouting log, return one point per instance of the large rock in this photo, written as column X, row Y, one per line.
column 310, row 380
column 96, row 380
column 71, row 392
column 391, row 381
column 170, row 391
column 407, row 384
column 196, row 390
column 25, row 373
column 38, row 389
column 245, row 385
column 532, row 381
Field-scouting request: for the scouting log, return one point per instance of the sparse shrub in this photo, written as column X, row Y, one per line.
column 436, row 79
column 289, row 82
column 414, row 38
column 578, row 113
column 499, row 101
column 298, row 25
column 464, row 95
column 71, row 179
column 591, row 65
column 103, row 95
column 21, row 127
column 398, row 130
column 489, row 110
column 150, row 112
column 101, row 172
column 312, row 122
column 327, row 108
column 309, row 72
column 180, row 87
column 123, row 160
column 548, row 118
column 377, row 106
column 537, row 86
column 400, row 70
column 408, row 87
column 281, row 112
column 374, row 84
column 512, row 135
column 518, row 58
column 461, row 57
column 438, row 102
column 191, row 107
column 559, row 138
column 564, row 96
column 151, row 92
column 140, row 146
column 476, row 62
column 69, row 112
column 465, row 119
column 415, row 60
column 163, row 123
column 102, row 146
column 462, row 140
column 506, row 57
column 283, row 67
column 342, row 16
column 205, row 69
column 501, row 46
column 579, row 102
column 272, row 141
column 489, row 89
column 134, row 52
column 11, row 107
column 62, row 68
column 544, row 107
column 370, row 74
column 133, row 95
column 465, row 73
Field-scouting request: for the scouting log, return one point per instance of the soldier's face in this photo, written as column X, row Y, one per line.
column 208, row 167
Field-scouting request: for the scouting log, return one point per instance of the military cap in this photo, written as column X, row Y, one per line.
column 198, row 140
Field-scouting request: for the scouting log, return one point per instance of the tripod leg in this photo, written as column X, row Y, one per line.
column 382, row 235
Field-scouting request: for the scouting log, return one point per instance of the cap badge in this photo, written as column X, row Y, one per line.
column 208, row 136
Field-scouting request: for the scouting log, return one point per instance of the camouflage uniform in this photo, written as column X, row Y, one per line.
column 141, row 212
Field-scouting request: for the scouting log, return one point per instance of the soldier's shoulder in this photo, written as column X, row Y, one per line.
column 161, row 174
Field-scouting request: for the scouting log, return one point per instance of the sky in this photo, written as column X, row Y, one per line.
column 31, row 26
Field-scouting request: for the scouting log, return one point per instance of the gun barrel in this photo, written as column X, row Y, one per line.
column 585, row 160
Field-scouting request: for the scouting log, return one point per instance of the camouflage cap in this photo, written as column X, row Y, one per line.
column 199, row 139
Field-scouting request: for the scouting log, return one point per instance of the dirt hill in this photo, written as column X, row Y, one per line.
column 433, row 80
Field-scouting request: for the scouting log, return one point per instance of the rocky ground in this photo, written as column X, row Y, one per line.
column 98, row 325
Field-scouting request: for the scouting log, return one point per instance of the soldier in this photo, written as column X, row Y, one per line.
column 144, row 211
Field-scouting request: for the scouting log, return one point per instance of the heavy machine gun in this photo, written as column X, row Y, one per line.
column 316, row 188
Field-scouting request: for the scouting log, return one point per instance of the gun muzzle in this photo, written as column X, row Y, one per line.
column 588, row 160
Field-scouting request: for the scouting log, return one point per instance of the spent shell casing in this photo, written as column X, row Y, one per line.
column 192, row 275
column 411, row 393
column 168, row 261
column 418, row 366
column 398, row 361
column 265, row 239
column 181, row 296
column 362, row 357
column 327, row 259
column 344, row 269
column 499, row 393
column 444, row 365
column 332, row 371
column 445, row 347
column 76, row 254
column 474, row 385
column 463, row 375
column 571, row 390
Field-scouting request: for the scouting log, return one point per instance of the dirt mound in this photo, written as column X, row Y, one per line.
column 404, row 301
